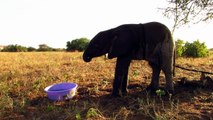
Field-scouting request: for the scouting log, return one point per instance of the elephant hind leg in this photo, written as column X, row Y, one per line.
column 167, row 68
column 169, row 82
column 167, row 55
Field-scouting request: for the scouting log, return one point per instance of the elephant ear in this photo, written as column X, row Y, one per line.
column 120, row 44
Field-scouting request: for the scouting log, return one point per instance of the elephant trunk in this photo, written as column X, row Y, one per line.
column 86, row 58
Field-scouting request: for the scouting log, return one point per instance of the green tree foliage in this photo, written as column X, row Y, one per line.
column 77, row 44
column 44, row 47
column 14, row 48
column 179, row 47
column 58, row 49
column 30, row 49
column 195, row 49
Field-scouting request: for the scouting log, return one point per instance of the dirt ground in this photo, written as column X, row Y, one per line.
column 23, row 98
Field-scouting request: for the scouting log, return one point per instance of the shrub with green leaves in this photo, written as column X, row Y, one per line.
column 179, row 47
column 195, row 49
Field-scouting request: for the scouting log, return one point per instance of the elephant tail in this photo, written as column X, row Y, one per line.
column 174, row 57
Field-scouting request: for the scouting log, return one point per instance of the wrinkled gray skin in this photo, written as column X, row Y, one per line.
column 151, row 41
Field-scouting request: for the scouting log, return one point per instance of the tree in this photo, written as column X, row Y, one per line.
column 188, row 11
column 195, row 49
column 44, row 47
column 30, row 49
column 77, row 44
column 14, row 48
column 179, row 47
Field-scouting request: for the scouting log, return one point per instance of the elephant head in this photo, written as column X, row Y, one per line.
column 116, row 42
column 98, row 46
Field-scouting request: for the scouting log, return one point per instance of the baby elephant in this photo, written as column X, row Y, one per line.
column 150, row 41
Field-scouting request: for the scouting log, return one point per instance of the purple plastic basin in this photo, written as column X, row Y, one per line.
column 61, row 91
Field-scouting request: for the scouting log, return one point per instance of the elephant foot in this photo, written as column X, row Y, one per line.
column 116, row 93
column 119, row 93
column 124, row 93
column 170, row 92
column 151, row 89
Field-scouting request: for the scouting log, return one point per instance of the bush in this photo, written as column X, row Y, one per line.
column 195, row 49
column 77, row 44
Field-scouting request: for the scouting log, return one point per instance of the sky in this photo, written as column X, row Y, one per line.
column 54, row 22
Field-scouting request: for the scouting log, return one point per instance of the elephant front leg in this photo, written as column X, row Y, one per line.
column 154, row 85
column 121, row 75
column 124, row 84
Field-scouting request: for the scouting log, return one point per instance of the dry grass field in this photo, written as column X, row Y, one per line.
column 23, row 77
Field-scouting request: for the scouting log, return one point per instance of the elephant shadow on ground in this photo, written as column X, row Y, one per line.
column 138, row 101
column 136, row 105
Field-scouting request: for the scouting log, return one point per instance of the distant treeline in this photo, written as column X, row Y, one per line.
column 19, row 48
column 183, row 49
column 74, row 45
